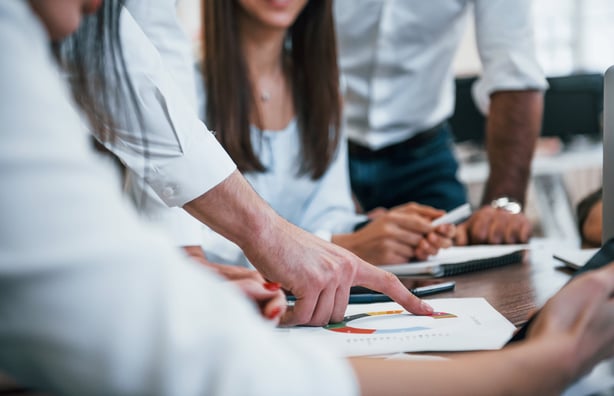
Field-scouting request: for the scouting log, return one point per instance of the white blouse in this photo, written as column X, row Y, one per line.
column 323, row 207
column 92, row 302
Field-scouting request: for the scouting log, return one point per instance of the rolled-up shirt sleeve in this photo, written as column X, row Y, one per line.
column 169, row 147
column 506, row 46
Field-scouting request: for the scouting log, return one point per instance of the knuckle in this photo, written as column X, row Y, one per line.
column 389, row 277
column 387, row 229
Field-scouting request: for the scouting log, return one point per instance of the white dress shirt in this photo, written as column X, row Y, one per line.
column 162, row 27
column 397, row 58
column 92, row 302
column 185, row 160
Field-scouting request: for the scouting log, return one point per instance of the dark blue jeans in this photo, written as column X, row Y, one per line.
column 425, row 174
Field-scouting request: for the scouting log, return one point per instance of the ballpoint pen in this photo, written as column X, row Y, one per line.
column 366, row 298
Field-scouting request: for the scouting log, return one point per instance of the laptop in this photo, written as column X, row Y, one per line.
column 608, row 156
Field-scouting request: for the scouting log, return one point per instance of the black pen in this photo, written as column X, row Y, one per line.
column 366, row 298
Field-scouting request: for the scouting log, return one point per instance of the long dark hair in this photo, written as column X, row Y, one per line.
column 314, row 74
column 93, row 59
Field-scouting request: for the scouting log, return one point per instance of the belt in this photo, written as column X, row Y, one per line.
column 413, row 142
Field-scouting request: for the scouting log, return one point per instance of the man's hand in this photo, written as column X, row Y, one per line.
column 579, row 318
column 317, row 272
column 320, row 275
column 489, row 225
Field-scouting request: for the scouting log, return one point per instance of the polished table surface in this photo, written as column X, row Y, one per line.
column 515, row 290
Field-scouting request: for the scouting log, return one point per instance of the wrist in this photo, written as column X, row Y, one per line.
column 508, row 204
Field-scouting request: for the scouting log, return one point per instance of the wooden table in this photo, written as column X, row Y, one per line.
column 518, row 289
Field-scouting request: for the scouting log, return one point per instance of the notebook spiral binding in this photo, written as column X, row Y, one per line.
column 481, row 264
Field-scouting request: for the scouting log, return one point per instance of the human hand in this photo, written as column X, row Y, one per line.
column 428, row 212
column 410, row 207
column 396, row 237
column 230, row 272
column 580, row 317
column 376, row 212
column 489, row 225
column 267, row 296
column 320, row 274
column 439, row 237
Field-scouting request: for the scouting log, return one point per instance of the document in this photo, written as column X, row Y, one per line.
column 460, row 259
column 458, row 324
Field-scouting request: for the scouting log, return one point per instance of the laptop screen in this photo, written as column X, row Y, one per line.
column 608, row 156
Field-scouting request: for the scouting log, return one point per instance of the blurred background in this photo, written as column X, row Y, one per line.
column 575, row 45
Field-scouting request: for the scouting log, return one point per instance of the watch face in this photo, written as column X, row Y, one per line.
column 507, row 204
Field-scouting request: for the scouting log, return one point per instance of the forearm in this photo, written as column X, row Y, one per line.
column 512, row 129
column 234, row 210
column 531, row 369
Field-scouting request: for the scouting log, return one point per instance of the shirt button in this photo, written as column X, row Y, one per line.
column 168, row 192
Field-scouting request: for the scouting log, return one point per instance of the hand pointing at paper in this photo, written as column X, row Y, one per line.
column 317, row 272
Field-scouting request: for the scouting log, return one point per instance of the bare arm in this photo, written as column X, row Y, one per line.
column 512, row 129
column 530, row 369
column 318, row 273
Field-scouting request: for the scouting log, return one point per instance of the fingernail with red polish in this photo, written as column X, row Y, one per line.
column 274, row 313
column 272, row 286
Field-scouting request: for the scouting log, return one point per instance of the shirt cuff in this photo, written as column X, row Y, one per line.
column 509, row 72
column 203, row 165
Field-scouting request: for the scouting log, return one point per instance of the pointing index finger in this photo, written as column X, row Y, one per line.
column 385, row 282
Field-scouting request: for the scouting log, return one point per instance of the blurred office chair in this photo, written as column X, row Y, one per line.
column 573, row 105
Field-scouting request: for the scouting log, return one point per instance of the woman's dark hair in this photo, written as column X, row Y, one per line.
column 93, row 60
column 312, row 52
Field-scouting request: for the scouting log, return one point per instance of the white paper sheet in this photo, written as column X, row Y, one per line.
column 460, row 324
column 574, row 258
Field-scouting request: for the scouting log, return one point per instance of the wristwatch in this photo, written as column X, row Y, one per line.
column 507, row 204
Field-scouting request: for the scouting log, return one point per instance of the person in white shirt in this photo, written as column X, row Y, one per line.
column 396, row 56
column 104, row 305
column 173, row 152
column 278, row 114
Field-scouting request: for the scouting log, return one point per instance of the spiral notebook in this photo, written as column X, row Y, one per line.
column 462, row 259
